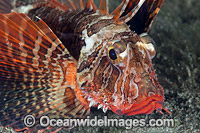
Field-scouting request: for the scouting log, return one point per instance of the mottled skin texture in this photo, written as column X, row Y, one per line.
column 117, row 85
column 136, row 83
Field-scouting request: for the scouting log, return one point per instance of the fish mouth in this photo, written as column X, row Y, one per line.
column 146, row 107
column 93, row 102
column 150, row 97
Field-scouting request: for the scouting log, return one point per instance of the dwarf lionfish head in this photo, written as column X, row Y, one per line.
column 115, row 71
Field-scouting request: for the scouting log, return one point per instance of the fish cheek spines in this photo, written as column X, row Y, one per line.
column 102, row 77
column 123, row 80
column 115, row 69
column 150, row 92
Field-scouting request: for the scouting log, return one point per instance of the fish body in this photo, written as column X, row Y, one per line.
column 60, row 59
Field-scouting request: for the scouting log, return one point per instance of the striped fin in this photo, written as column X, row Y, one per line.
column 138, row 14
column 120, row 9
column 82, row 4
column 90, row 6
column 38, row 75
column 5, row 6
column 103, row 7
column 131, row 14
column 143, row 20
column 75, row 4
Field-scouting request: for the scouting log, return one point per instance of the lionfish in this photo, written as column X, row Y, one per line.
column 61, row 58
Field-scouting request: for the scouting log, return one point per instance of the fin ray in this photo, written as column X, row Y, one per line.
column 5, row 6
column 90, row 5
column 131, row 14
column 120, row 9
column 34, row 67
column 143, row 19
column 103, row 7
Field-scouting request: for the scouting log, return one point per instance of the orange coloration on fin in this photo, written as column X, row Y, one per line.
column 103, row 7
column 5, row 6
column 141, row 23
column 57, row 4
column 119, row 10
column 39, row 69
column 154, row 8
column 72, row 4
column 91, row 6
column 131, row 5
column 130, row 15
column 82, row 4
column 41, row 77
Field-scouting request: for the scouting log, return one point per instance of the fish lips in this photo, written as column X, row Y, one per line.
column 150, row 97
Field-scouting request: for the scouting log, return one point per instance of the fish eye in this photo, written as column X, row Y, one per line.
column 112, row 54
column 115, row 49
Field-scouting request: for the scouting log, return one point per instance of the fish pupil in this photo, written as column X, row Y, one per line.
column 112, row 54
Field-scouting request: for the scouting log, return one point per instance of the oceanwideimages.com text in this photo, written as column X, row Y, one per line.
column 45, row 121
